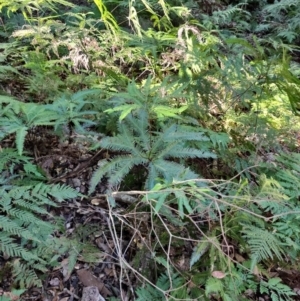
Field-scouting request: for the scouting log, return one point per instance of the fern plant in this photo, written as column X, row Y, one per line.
column 152, row 150
column 285, row 14
column 166, row 288
column 158, row 100
column 71, row 113
column 19, row 118
column 277, row 290
column 64, row 114
column 239, row 214
column 23, row 217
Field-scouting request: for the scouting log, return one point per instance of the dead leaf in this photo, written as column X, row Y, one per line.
column 65, row 269
column 91, row 293
column 88, row 279
column 256, row 271
column 54, row 282
column 239, row 258
column 95, row 201
column 218, row 274
column 109, row 272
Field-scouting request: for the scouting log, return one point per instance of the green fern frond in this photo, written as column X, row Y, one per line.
column 20, row 117
column 149, row 97
column 11, row 248
column 277, row 290
column 286, row 173
column 71, row 109
column 151, row 150
column 122, row 142
column 121, row 167
column 58, row 191
column 25, row 217
column 23, row 231
column 8, row 156
column 172, row 171
column 10, row 226
column 275, row 8
column 263, row 244
column 213, row 286
column 25, row 275
column 20, row 138
column 173, row 286
column 103, row 169
column 27, row 203
column 117, row 169
column 180, row 152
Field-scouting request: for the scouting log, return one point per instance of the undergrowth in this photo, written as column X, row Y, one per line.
column 200, row 98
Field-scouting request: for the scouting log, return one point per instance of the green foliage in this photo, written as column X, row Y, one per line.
column 64, row 114
column 159, row 101
column 172, row 287
column 19, row 118
column 146, row 81
column 263, row 244
column 277, row 290
column 12, row 295
column 178, row 193
column 285, row 14
column 29, row 6
column 23, row 219
column 70, row 111
column 287, row 173
column 106, row 17
column 151, row 149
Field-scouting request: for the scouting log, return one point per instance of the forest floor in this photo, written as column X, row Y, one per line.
column 90, row 221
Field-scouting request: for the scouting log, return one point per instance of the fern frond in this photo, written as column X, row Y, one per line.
column 25, row 275
column 20, row 139
column 185, row 133
column 115, row 170
column 140, row 126
column 173, row 285
column 25, row 217
column 180, row 152
column 278, row 290
column 119, row 143
column 9, row 157
column 32, row 206
column 59, row 192
column 262, row 243
column 10, row 226
column 121, row 167
column 9, row 247
column 97, row 176
column 172, row 171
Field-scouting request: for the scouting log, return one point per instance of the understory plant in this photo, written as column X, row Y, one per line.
column 197, row 102
column 152, row 149
column 236, row 216
column 27, row 227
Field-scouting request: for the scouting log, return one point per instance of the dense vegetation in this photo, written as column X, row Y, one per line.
column 180, row 121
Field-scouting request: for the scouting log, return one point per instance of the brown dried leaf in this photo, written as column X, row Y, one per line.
column 87, row 278
column 218, row 274
column 256, row 271
column 239, row 258
column 54, row 282
column 65, row 269
column 95, row 201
